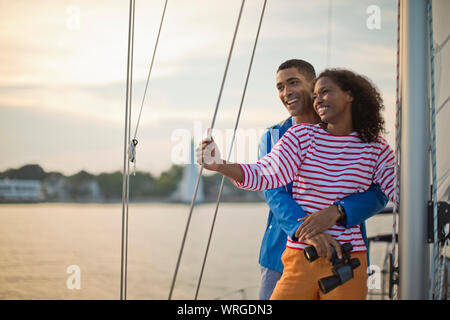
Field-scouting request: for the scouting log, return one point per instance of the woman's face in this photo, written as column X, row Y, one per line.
column 330, row 102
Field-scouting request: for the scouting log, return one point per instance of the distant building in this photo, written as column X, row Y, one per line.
column 92, row 189
column 20, row 190
column 55, row 188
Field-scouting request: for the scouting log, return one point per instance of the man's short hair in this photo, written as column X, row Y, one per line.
column 305, row 68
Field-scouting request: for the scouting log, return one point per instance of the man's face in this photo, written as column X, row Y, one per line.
column 295, row 91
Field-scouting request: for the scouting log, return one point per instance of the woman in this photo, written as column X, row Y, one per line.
column 342, row 155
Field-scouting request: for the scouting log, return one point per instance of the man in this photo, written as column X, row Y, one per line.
column 294, row 84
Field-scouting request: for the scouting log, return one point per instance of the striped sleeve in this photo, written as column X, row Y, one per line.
column 384, row 170
column 276, row 168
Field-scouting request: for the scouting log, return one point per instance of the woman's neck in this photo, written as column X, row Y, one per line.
column 343, row 127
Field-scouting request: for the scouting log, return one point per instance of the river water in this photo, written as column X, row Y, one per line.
column 47, row 249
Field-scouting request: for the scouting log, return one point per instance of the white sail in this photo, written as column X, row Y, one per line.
column 186, row 187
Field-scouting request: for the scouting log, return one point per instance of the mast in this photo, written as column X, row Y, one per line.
column 413, row 262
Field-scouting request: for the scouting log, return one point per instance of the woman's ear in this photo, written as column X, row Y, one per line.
column 349, row 96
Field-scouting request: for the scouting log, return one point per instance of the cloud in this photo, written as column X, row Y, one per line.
column 76, row 76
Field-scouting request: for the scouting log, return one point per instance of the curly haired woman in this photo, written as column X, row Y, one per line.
column 328, row 161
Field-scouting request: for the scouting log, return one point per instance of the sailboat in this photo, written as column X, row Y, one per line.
column 422, row 98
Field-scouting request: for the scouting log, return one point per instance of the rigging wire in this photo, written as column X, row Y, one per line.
column 134, row 141
column 435, row 260
column 397, row 138
column 443, row 261
column 202, row 166
column 330, row 12
column 131, row 143
column 150, row 69
column 443, row 105
column 231, row 148
column 126, row 164
column 439, row 248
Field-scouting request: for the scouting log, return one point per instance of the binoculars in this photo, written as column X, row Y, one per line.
column 342, row 268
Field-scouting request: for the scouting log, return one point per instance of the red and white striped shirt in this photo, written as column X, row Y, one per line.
column 324, row 168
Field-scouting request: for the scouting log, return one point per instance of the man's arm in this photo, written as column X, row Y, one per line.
column 284, row 208
column 361, row 206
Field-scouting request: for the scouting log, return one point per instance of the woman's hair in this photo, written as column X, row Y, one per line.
column 367, row 103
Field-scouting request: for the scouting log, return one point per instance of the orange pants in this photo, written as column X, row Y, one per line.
column 300, row 279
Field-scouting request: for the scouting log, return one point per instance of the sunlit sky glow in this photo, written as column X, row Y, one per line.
column 62, row 85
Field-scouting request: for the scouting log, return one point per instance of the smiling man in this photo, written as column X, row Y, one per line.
column 294, row 85
column 294, row 82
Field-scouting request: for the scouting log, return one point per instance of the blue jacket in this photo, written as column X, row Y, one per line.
column 284, row 211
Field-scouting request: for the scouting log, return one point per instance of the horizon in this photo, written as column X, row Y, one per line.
column 82, row 170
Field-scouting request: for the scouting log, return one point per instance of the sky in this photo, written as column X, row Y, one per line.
column 63, row 74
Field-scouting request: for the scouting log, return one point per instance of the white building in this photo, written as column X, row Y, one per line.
column 20, row 190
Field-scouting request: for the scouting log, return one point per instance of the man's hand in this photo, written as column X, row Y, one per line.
column 209, row 153
column 317, row 222
column 322, row 242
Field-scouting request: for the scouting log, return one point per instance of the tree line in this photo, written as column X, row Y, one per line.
column 143, row 185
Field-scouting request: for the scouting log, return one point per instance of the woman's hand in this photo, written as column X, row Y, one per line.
column 317, row 222
column 209, row 154
column 322, row 242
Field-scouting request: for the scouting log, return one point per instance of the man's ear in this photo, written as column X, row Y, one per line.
column 313, row 83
